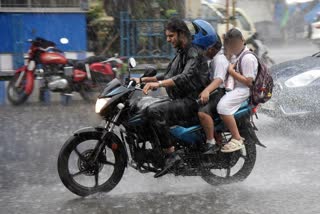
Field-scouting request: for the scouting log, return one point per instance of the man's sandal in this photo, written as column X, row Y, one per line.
column 232, row 146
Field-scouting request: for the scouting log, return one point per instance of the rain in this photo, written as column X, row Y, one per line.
column 286, row 174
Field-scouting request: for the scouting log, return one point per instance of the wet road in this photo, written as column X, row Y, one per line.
column 286, row 178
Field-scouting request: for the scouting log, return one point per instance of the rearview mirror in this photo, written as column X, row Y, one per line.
column 150, row 72
column 132, row 62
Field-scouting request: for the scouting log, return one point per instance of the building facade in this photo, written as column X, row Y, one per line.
column 21, row 20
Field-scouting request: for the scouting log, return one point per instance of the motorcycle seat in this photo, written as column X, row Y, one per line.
column 80, row 64
column 194, row 120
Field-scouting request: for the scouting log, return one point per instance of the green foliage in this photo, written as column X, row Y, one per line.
column 171, row 12
column 96, row 11
column 99, row 29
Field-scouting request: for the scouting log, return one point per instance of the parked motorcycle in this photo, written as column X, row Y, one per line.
column 99, row 71
column 261, row 50
column 94, row 159
column 47, row 62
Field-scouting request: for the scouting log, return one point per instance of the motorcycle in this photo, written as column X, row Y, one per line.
column 99, row 71
column 94, row 159
column 261, row 50
column 46, row 61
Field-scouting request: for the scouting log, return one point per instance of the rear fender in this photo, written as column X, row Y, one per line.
column 246, row 126
column 103, row 68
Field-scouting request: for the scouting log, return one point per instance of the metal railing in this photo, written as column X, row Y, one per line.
column 145, row 38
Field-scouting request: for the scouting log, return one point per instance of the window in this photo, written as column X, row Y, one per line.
column 14, row 3
column 39, row 3
column 55, row 3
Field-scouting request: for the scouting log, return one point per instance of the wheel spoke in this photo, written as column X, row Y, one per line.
column 79, row 173
column 228, row 172
column 96, row 179
column 80, row 155
column 108, row 163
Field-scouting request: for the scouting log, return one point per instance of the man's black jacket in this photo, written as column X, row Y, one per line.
column 189, row 71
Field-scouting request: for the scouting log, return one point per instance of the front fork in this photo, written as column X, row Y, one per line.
column 18, row 82
column 28, row 71
column 104, row 138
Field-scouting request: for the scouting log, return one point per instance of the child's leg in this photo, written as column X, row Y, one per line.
column 227, row 106
column 231, row 124
column 236, row 142
column 206, row 114
column 207, row 124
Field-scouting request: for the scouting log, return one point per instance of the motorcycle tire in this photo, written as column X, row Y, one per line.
column 68, row 179
column 244, row 172
column 90, row 95
column 16, row 96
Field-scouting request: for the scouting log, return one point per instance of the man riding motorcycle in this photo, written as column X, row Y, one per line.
column 135, row 132
column 186, row 76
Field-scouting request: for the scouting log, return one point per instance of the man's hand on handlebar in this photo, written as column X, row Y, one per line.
column 150, row 86
column 137, row 80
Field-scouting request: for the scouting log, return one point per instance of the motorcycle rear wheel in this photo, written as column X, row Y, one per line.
column 89, row 93
column 86, row 169
column 248, row 155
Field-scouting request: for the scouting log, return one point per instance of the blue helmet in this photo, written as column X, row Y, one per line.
column 205, row 35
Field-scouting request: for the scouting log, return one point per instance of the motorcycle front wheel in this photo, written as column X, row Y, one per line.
column 83, row 176
column 17, row 95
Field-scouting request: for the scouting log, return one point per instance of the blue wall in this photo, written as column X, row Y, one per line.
column 51, row 26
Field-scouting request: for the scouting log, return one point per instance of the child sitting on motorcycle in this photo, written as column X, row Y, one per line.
column 231, row 101
column 218, row 69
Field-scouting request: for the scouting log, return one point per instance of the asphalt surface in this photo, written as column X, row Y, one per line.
column 286, row 177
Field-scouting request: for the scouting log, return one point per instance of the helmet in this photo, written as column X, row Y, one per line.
column 205, row 35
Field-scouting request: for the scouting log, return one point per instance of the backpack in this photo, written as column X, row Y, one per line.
column 261, row 90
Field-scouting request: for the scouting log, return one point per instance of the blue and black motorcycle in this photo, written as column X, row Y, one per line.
column 94, row 159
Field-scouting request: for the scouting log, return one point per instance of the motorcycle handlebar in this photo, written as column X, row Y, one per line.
column 136, row 86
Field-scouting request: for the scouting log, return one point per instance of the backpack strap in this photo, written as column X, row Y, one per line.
column 240, row 70
column 240, row 60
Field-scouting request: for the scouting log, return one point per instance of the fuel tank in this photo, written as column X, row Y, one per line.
column 53, row 58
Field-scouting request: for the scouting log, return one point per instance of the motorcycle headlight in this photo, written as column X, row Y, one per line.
column 101, row 103
column 303, row 79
